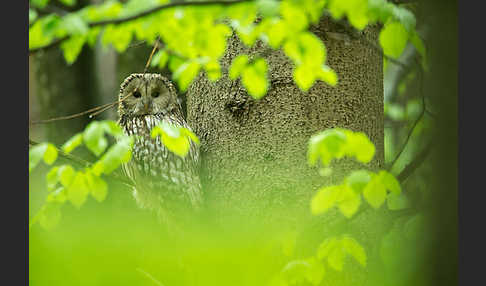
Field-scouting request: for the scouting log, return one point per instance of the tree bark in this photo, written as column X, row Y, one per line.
column 254, row 164
column 254, row 151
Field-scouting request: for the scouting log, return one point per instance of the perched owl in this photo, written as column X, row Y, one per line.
column 164, row 182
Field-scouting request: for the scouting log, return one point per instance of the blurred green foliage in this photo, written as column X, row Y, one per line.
column 111, row 244
column 194, row 37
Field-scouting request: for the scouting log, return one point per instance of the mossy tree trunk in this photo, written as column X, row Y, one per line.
column 254, row 165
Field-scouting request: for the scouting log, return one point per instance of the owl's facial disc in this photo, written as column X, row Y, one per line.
column 147, row 97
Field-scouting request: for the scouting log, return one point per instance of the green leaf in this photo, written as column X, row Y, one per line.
column 35, row 155
column 50, row 215
column 335, row 259
column 39, row 3
column 112, row 128
column 78, row 191
column 237, row 66
column 66, row 175
column 393, row 39
column 98, row 187
column 94, row 139
column 118, row 154
column 327, row 75
column 304, row 76
column 160, row 59
column 360, row 146
column 268, row 8
column 254, row 78
column 295, row 17
column 72, row 143
column 326, row 145
column 74, row 24
column 50, row 155
column 390, row 182
column 405, row 17
column 57, row 196
column 72, row 47
column 213, row 70
column 119, row 36
column 357, row 180
column 326, row 247
column 175, row 138
column 32, row 15
column 415, row 228
column 52, row 178
column 397, row 202
column 375, row 192
column 275, row 31
column 68, row 3
column 353, row 248
column 420, row 47
column 349, row 201
column 45, row 151
column 325, row 199
column 315, row 272
column 186, row 73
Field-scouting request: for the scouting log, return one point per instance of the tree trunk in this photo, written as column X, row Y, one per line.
column 62, row 90
column 254, row 164
column 254, row 151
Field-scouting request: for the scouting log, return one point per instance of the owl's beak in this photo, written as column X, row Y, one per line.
column 146, row 104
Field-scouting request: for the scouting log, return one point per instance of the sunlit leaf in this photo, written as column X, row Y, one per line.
column 325, row 199
column 50, row 215
column 237, row 66
column 78, row 191
column 186, row 73
column 326, row 246
column 375, row 192
column 97, row 186
column 390, row 182
column 52, row 178
column 327, row 75
column 57, row 196
column 397, row 202
column 72, row 47
column 116, row 155
column 357, row 180
column 94, row 139
column 393, row 39
column 349, row 201
column 72, row 143
column 254, row 78
column 68, row 2
column 336, row 256
column 353, row 248
column 74, row 24
column 175, row 138
column 66, row 175
column 45, row 151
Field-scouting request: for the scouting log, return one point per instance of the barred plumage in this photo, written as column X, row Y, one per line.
column 162, row 179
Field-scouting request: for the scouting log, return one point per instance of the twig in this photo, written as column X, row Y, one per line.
column 412, row 166
column 415, row 123
column 142, row 14
column 150, row 276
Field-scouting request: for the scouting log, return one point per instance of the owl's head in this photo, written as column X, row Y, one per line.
column 148, row 94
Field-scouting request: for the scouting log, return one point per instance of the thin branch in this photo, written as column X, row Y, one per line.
column 416, row 121
column 416, row 162
column 143, row 14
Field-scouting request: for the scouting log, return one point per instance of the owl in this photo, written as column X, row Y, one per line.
column 163, row 181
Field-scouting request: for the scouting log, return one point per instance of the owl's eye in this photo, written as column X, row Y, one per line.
column 137, row 94
column 155, row 94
